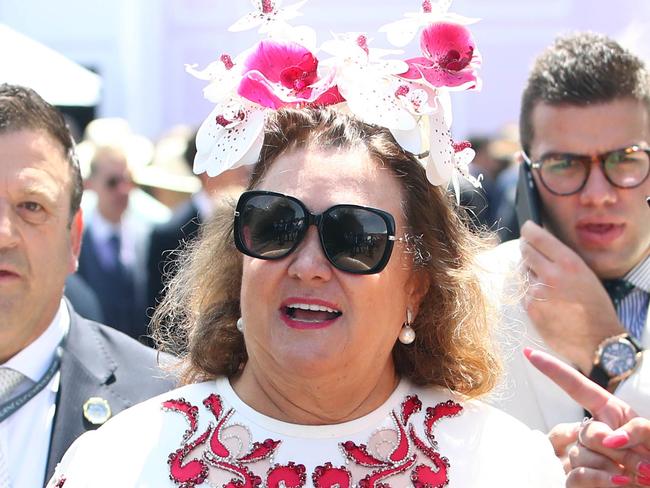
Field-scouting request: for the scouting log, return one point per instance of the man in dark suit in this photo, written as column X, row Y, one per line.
column 168, row 239
column 59, row 374
column 113, row 258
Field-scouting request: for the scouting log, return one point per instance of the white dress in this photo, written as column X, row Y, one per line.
column 203, row 435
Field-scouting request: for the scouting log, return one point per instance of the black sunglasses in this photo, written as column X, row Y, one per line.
column 355, row 239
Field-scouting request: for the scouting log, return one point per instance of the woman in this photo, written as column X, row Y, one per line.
column 346, row 353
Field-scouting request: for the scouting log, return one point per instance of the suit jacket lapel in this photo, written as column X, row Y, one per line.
column 86, row 371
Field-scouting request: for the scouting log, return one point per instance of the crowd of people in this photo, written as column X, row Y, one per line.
column 330, row 305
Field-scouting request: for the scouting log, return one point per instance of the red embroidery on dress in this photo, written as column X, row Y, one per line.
column 289, row 476
column 410, row 405
column 195, row 471
column 329, row 477
column 402, row 449
column 398, row 461
column 190, row 411
column 435, row 414
column 192, row 473
column 60, row 482
column 359, row 455
column 187, row 474
column 260, row 451
column 247, row 479
column 217, row 447
column 388, row 453
column 423, row 476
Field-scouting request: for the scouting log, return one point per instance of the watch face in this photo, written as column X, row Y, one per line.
column 618, row 358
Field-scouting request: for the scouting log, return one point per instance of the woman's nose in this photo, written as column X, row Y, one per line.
column 308, row 261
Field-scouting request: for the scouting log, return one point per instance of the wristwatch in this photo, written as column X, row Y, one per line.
column 615, row 359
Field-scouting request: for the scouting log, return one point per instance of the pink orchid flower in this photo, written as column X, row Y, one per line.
column 450, row 57
column 281, row 74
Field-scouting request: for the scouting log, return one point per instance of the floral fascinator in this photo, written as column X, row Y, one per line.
column 410, row 97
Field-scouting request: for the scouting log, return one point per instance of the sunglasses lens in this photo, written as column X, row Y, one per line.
column 270, row 226
column 355, row 239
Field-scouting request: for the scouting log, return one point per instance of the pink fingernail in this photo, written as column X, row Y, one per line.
column 528, row 351
column 616, row 440
column 620, row 479
column 643, row 468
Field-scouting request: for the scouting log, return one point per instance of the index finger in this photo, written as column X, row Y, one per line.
column 602, row 404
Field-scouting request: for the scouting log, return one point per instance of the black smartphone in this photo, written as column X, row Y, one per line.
column 527, row 203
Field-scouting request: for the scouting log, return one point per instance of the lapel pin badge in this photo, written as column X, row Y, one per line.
column 96, row 410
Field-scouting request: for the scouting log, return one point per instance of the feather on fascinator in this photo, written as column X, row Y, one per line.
column 410, row 97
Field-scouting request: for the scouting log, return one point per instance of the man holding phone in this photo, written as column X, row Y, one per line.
column 585, row 135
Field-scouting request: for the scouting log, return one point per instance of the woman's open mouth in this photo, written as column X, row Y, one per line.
column 305, row 314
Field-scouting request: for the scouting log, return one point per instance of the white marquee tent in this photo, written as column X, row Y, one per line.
column 56, row 78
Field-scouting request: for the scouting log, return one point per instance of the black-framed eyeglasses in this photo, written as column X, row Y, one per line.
column 355, row 239
column 566, row 173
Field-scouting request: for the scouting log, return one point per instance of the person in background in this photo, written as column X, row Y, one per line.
column 139, row 151
column 494, row 162
column 113, row 259
column 585, row 133
column 60, row 375
column 168, row 239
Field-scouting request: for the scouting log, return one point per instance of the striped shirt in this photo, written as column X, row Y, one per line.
column 633, row 309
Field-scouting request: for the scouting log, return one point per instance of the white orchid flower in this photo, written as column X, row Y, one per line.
column 402, row 32
column 224, row 75
column 266, row 15
column 231, row 136
column 367, row 81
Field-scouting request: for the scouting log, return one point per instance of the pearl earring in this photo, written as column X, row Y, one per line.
column 240, row 325
column 407, row 334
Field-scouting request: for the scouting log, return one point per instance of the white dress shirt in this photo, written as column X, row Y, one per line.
column 25, row 435
column 204, row 204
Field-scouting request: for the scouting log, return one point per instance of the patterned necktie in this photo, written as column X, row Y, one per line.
column 617, row 290
column 9, row 380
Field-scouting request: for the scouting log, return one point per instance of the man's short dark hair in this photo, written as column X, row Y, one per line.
column 582, row 69
column 22, row 108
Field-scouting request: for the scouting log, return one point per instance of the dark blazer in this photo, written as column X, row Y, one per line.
column 83, row 298
column 99, row 361
column 165, row 238
column 124, row 304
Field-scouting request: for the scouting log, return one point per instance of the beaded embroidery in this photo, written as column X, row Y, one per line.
column 389, row 452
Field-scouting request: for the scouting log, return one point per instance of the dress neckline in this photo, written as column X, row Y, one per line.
column 372, row 419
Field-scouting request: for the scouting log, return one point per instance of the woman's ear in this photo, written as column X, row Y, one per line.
column 416, row 288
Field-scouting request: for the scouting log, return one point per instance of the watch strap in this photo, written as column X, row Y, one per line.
column 635, row 343
column 599, row 376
